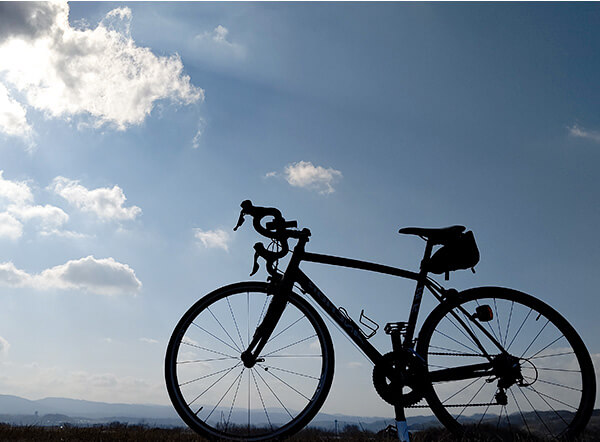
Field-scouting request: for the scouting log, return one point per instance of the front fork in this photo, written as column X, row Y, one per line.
column 265, row 329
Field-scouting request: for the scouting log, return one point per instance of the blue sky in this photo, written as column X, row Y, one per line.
column 130, row 133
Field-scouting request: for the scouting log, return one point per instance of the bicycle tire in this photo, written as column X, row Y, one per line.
column 190, row 333
column 540, row 369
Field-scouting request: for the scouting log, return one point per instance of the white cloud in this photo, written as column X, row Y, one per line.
column 213, row 238
column 95, row 72
column 106, row 203
column 49, row 217
column 101, row 276
column 199, row 132
column 580, row 132
column 305, row 174
column 15, row 192
column 16, row 199
column 10, row 227
column 14, row 277
column 4, row 346
column 33, row 379
column 27, row 20
column 149, row 340
column 13, row 116
column 217, row 42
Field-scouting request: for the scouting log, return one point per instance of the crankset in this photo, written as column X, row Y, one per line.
column 409, row 371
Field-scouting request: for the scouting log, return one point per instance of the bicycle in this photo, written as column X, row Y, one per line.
column 254, row 360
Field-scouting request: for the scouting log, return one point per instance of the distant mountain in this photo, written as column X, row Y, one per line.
column 56, row 411
column 74, row 407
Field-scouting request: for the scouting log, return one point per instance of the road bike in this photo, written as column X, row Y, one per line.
column 254, row 360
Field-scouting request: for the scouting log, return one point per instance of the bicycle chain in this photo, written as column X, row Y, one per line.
column 457, row 354
column 455, row 405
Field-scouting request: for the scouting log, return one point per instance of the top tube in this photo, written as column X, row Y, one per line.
column 356, row 264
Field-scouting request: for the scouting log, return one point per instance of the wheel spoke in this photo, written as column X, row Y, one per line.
column 213, row 384
column 225, row 394
column 535, row 411
column 519, row 329
column 541, row 395
column 285, row 383
column 261, row 400
column 221, row 325
column 209, row 375
column 550, row 397
column 207, row 349
column 217, row 338
column 498, row 323
column 471, row 400
column 558, row 369
column 520, row 412
column 206, row 360
column 535, row 339
column 235, row 322
column 555, row 384
column 512, row 305
column 237, row 389
column 458, row 342
column 287, row 328
column 295, row 356
column 270, row 367
column 274, row 394
column 553, row 355
column 557, row 339
column 290, row 345
column 460, row 391
column 460, row 329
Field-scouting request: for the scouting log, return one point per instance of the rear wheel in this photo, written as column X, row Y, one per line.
column 545, row 385
column 220, row 398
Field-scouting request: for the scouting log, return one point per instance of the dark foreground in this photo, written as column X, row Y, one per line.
column 122, row 432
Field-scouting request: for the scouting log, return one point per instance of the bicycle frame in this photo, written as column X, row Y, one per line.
column 293, row 275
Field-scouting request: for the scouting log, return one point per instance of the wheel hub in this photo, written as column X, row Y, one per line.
column 508, row 370
column 249, row 360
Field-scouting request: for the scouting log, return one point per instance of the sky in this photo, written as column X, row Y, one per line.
column 131, row 132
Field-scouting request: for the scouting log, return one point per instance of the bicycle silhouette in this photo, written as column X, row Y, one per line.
column 254, row 360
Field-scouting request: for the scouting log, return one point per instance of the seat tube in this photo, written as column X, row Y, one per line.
column 416, row 304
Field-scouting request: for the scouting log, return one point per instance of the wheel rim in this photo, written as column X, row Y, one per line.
column 556, row 386
column 216, row 394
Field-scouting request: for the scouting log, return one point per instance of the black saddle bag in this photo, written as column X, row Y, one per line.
column 458, row 254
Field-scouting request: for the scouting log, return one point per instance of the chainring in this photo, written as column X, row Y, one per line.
column 412, row 370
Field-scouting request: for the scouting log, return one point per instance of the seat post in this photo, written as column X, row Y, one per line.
column 426, row 256
column 416, row 305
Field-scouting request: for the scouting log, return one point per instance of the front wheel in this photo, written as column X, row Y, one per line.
column 220, row 398
column 542, row 381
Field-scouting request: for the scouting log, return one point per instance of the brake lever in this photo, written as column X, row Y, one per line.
column 241, row 220
column 256, row 266
column 259, row 250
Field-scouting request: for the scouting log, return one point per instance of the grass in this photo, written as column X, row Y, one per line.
column 123, row 432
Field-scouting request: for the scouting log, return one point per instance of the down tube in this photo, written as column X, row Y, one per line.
column 346, row 324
